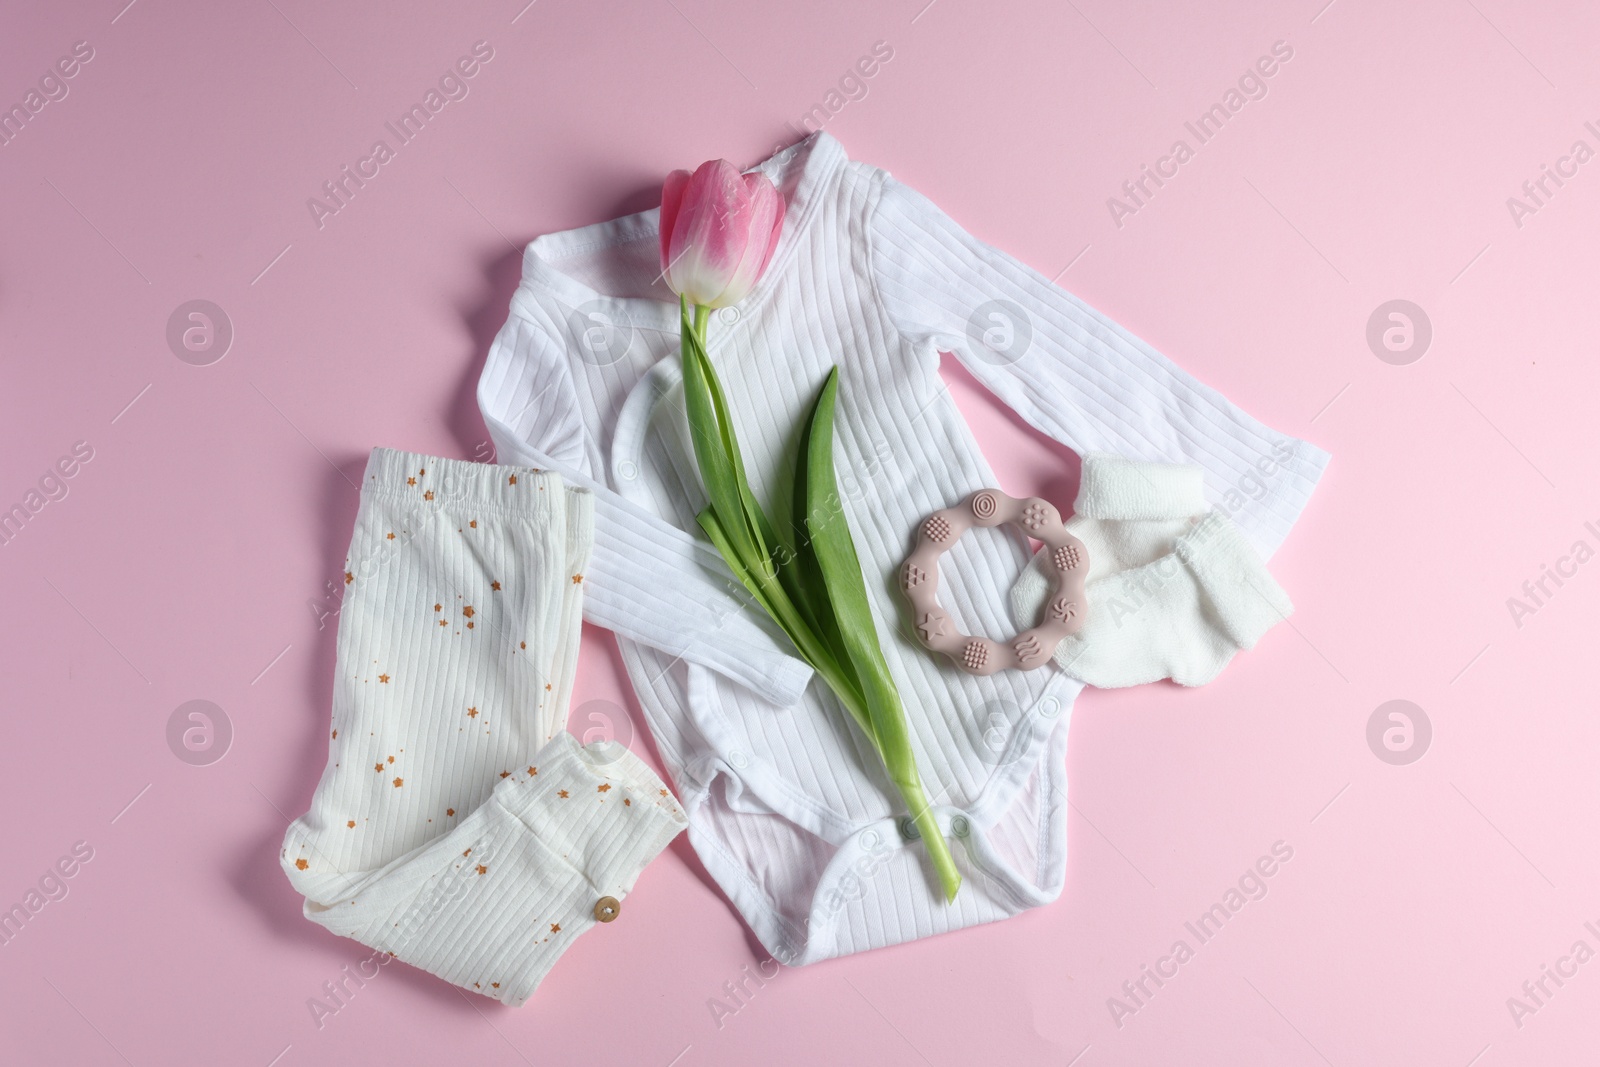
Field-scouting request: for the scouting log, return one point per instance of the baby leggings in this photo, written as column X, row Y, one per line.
column 457, row 826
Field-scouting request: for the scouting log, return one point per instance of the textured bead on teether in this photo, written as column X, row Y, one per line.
column 940, row 531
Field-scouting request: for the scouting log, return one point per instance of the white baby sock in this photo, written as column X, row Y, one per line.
column 1174, row 589
column 457, row 827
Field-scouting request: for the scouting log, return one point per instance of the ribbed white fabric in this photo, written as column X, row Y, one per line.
column 1174, row 589
column 787, row 805
column 457, row 827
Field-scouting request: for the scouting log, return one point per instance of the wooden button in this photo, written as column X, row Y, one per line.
column 606, row 909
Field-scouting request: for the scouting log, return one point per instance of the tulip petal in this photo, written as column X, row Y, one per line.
column 766, row 216
column 709, row 232
column 671, row 200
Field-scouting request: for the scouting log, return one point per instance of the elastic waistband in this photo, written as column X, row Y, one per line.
column 434, row 481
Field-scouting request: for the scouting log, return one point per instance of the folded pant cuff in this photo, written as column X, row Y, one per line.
column 575, row 825
column 601, row 777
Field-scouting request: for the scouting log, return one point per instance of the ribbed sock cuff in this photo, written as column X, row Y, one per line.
column 1113, row 487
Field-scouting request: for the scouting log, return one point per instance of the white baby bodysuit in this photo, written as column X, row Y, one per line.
column 788, row 805
column 457, row 826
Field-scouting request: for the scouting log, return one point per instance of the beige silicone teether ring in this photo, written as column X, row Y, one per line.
column 1064, row 609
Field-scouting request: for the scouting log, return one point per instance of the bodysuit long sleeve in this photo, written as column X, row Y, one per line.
column 1073, row 373
column 648, row 581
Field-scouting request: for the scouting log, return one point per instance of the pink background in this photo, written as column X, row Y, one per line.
column 188, row 556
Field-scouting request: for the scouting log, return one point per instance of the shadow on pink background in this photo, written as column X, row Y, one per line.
column 189, row 557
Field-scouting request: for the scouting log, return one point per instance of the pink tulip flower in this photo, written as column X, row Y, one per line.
column 718, row 231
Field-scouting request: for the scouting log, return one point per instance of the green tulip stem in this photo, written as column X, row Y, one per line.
column 810, row 583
